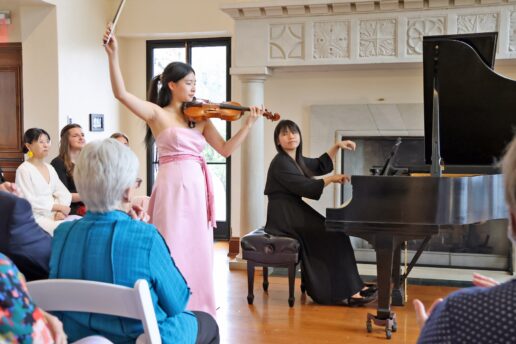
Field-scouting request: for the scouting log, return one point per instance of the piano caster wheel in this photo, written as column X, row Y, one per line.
column 250, row 299
column 369, row 326
column 394, row 327
column 388, row 334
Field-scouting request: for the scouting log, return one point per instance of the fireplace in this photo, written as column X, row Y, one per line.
column 479, row 246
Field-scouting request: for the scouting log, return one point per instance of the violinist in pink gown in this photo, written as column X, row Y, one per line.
column 181, row 204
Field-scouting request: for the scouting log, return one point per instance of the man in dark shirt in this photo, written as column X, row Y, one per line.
column 21, row 239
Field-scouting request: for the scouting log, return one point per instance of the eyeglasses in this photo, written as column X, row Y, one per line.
column 137, row 183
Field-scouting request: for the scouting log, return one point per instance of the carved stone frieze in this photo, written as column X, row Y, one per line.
column 471, row 23
column 286, row 41
column 419, row 27
column 331, row 40
column 377, row 38
column 314, row 33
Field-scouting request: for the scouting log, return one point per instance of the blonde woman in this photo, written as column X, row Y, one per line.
column 72, row 141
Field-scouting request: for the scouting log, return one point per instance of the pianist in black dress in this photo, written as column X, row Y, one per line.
column 328, row 261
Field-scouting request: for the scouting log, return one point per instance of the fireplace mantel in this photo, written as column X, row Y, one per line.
column 278, row 34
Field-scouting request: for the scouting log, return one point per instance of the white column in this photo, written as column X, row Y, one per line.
column 252, row 212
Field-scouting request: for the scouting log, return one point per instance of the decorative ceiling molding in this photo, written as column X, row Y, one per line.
column 300, row 8
column 320, row 33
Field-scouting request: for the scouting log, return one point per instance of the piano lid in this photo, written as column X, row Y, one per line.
column 477, row 105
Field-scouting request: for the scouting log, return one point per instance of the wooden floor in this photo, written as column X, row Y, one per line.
column 270, row 320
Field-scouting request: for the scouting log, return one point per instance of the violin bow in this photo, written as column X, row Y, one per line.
column 115, row 21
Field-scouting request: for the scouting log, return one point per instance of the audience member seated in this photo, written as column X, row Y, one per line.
column 106, row 245
column 21, row 321
column 72, row 141
column 39, row 184
column 482, row 314
column 120, row 137
column 21, row 238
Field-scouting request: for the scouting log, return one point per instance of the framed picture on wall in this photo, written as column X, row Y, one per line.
column 96, row 122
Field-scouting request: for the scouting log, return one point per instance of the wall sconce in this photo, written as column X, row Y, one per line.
column 5, row 17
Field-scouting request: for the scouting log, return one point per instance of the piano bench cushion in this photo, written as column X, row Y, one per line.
column 264, row 248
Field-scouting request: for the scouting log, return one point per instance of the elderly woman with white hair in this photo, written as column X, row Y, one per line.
column 107, row 245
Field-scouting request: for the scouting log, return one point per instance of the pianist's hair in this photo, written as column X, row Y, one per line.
column 509, row 173
column 286, row 124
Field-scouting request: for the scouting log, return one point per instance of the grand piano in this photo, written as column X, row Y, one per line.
column 460, row 87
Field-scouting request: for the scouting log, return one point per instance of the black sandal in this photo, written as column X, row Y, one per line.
column 369, row 291
column 357, row 301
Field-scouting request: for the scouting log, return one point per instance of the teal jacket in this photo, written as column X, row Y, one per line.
column 113, row 248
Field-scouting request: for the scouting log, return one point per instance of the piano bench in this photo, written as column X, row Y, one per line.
column 266, row 250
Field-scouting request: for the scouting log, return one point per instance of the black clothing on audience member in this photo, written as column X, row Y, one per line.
column 67, row 180
column 21, row 239
column 2, row 178
column 473, row 315
column 327, row 258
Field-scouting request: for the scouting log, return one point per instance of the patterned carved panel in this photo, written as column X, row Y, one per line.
column 286, row 41
column 377, row 38
column 419, row 27
column 512, row 32
column 331, row 40
column 472, row 23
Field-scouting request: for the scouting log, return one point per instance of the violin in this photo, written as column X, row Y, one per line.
column 198, row 110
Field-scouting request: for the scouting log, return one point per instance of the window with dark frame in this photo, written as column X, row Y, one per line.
column 211, row 59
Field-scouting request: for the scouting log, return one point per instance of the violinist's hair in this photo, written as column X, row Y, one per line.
column 161, row 94
column 284, row 125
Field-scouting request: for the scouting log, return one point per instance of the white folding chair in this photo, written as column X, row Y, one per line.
column 98, row 297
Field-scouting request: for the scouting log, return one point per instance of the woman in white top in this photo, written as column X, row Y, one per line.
column 40, row 184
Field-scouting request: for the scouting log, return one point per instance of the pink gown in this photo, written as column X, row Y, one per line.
column 179, row 209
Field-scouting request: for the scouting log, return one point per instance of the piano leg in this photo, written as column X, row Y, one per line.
column 384, row 246
column 398, row 288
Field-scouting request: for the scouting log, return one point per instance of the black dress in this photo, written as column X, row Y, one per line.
column 328, row 261
column 67, row 180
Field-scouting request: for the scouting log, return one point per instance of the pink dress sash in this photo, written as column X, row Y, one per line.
column 209, row 185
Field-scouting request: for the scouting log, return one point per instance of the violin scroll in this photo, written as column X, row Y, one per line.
column 272, row 116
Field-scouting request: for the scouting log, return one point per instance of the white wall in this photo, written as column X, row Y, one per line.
column 40, row 70
column 84, row 85
column 64, row 64
column 133, row 62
